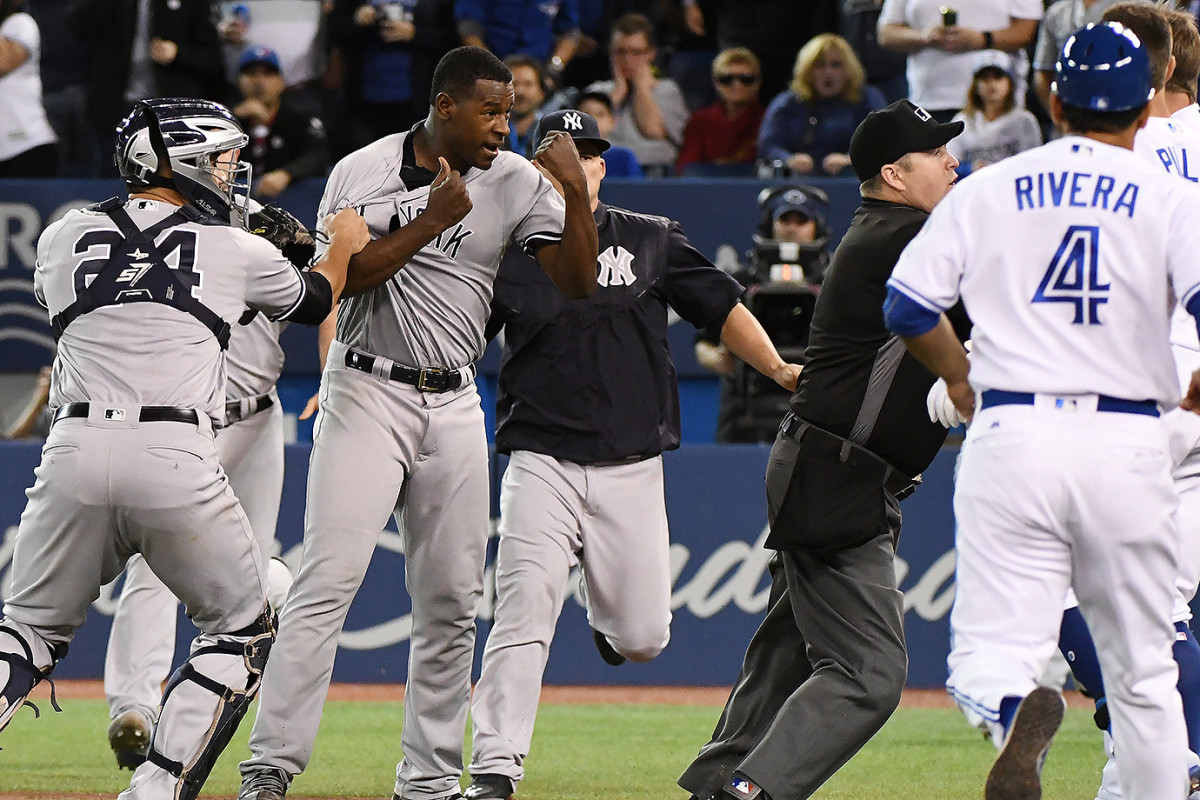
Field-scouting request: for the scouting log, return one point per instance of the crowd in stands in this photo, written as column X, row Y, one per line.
column 684, row 87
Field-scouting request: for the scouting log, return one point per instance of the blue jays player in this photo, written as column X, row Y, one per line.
column 142, row 295
column 141, row 644
column 401, row 429
column 1065, row 477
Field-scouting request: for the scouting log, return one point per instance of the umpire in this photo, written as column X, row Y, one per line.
column 826, row 667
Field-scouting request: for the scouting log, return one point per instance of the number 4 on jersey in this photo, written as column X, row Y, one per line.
column 1074, row 275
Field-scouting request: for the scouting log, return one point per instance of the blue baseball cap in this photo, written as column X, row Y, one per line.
column 797, row 200
column 580, row 126
column 259, row 55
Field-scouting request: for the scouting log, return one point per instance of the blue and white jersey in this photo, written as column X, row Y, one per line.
column 1068, row 258
column 1174, row 144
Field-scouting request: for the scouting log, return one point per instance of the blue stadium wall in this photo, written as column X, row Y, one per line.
column 715, row 496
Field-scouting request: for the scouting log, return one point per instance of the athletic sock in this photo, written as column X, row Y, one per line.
column 1187, row 656
column 1076, row 645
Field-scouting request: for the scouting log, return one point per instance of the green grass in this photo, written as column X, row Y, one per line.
column 580, row 752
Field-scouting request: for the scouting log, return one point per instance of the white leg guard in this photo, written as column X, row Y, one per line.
column 25, row 660
column 203, row 703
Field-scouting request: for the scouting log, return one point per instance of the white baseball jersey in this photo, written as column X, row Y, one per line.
column 432, row 312
column 1066, row 290
column 115, row 353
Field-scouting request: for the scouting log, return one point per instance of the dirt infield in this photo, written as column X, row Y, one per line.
column 630, row 695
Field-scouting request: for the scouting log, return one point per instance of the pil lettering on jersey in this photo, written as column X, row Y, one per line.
column 1175, row 159
column 616, row 267
column 446, row 241
column 1077, row 189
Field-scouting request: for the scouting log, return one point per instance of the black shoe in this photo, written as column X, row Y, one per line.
column 607, row 652
column 455, row 796
column 489, row 786
column 743, row 788
column 1017, row 773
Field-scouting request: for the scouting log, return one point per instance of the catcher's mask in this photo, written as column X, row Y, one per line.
column 187, row 145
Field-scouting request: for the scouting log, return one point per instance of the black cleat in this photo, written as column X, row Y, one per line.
column 607, row 652
column 1017, row 773
column 489, row 786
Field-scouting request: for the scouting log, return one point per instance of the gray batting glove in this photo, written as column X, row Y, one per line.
column 941, row 407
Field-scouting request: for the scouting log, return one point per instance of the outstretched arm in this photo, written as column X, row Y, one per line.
column 746, row 339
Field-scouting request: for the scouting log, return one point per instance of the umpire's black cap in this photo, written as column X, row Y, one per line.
column 580, row 126
column 888, row 134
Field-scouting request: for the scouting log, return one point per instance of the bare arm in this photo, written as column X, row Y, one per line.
column 747, row 340
column 646, row 113
column 348, row 235
column 23, row 426
column 902, row 38
column 957, row 39
column 376, row 263
column 571, row 263
column 12, row 55
column 1041, row 84
column 943, row 355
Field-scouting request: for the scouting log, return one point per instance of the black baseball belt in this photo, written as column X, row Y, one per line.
column 238, row 410
column 146, row 414
column 427, row 379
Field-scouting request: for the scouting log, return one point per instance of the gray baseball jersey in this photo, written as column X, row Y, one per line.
column 383, row 447
column 116, row 353
column 432, row 313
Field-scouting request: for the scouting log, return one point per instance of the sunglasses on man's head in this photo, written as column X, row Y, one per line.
column 743, row 78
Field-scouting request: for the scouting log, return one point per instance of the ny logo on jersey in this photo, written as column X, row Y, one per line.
column 572, row 121
column 616, row 267
column 1074, row 275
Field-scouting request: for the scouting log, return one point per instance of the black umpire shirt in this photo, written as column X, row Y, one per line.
column 852, row 358
column 592, row 380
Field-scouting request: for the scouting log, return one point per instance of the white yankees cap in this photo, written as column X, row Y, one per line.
column 581, row 127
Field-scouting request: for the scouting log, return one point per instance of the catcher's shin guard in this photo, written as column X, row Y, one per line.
column 215, row 663
column 22, row 650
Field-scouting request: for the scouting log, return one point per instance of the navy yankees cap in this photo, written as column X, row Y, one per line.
column 581, row 127
column 888, row 134
column 796, row 200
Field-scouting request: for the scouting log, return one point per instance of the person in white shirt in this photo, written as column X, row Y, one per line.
column 28, row 146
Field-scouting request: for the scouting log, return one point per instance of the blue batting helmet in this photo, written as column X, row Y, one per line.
column 1103, row 67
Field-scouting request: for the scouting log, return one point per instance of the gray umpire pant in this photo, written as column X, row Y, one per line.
column 823, row 672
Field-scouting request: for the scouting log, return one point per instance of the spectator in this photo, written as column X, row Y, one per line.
column 940, row 45
column 294, row 29
column 650, row 111
column 726, row 132
column 807, row 128
column 529, row 95
column 65, row 64
column 996, row 127
column 619, row 162
column 750, row 409
column 287, row 144
column 151, row 48
column 548, row 32
column 389, row 60
column 1063, row 18
column 28, row 146
column 859, row 24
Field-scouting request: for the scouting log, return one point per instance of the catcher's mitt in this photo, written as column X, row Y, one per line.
column 284, row 231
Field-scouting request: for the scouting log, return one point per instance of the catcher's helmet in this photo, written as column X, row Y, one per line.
column 191, row 135
column 1103, row 67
